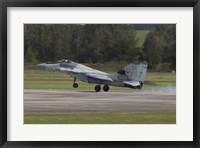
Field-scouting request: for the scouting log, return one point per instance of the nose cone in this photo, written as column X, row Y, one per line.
column 41, row 66
column 48, row 66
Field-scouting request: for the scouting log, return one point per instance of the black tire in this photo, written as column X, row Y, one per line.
column 140, row 87
column 106, row 88
column 97, row 88
column 75, row 85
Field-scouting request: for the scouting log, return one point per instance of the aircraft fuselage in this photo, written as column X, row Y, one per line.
column 131, row 76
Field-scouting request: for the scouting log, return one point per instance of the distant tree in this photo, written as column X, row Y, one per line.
column 30, row 56
column 160, row 46
column 82, row 43
column 153, row 49
column 169, row 55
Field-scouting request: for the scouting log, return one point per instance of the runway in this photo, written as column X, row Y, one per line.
column 77, row 100
column 44, row 100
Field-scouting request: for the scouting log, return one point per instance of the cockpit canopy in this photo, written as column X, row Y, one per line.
column 64, row 61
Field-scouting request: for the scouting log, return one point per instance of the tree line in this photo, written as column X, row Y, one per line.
column 99, row 43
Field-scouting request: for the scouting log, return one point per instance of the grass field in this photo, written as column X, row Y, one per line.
column 150, row 117
column 141, row 36
column 41, row 79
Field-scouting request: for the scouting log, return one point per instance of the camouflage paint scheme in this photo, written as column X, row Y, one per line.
column 131, row 76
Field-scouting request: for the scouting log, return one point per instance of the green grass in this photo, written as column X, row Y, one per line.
column 41, row 79
column 141, row 36
column 157, row 80
column 142, row 117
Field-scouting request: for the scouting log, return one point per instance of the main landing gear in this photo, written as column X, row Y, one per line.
column 75, row 85
column 98, row 88
column 106, row 88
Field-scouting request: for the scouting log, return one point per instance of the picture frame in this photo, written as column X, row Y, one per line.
column 99, row 3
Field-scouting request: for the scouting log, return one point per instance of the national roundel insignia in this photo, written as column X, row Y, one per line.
column 127, row 70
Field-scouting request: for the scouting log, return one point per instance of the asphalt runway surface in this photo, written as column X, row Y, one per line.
column 42, row 100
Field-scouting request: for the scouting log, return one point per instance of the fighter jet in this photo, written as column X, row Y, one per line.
column 131, row 76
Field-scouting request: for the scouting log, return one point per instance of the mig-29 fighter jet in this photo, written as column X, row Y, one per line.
column 131, row 76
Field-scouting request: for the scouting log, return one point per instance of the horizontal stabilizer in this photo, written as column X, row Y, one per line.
column 99, row 76
column 132, row 83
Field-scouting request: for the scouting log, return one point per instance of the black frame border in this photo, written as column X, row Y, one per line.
column 99, row 3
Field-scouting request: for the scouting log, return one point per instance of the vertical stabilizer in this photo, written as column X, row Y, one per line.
column 136, row 72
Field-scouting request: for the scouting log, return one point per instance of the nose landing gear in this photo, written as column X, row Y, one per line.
column 75, row 85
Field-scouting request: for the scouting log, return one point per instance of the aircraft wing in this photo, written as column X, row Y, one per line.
column 99, row 76
column 132, row 83
column 89, row 74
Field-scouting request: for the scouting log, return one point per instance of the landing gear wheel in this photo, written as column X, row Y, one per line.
column 75, row 85
column 106, row 88
column 97, row 88
column 141, row 84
